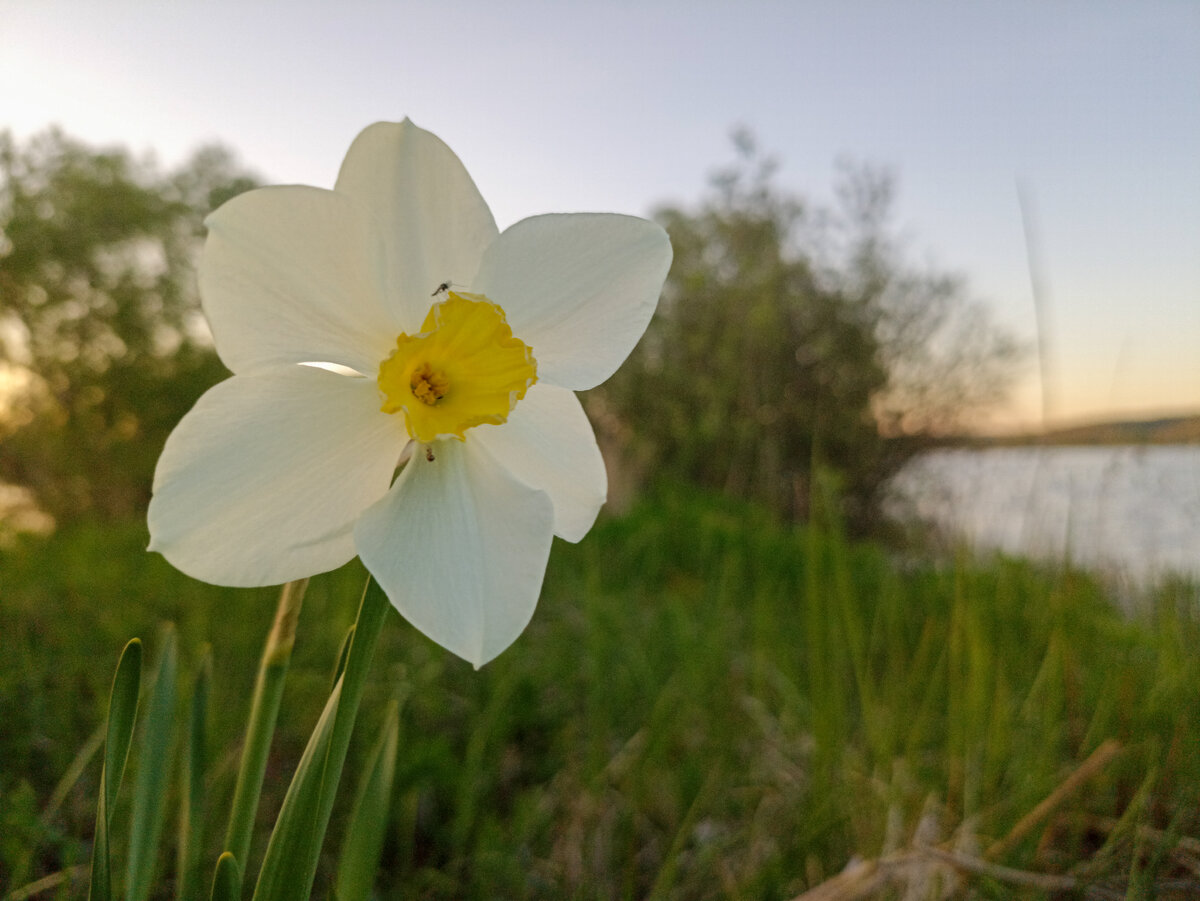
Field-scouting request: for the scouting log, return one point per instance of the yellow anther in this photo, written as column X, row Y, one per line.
column 428, row 386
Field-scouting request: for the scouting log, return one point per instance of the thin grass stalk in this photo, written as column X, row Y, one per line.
column 469, row 789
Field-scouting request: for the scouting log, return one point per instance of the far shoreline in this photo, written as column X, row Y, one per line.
column 1158, row 431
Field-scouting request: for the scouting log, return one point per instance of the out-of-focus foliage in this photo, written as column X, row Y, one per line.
column 708, row 704
column 946, row 361
column 793, row 339
column 99, row 320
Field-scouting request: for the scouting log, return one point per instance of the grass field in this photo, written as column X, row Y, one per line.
column 707, row 705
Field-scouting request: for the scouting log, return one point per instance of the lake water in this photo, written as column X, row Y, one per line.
column 1130, row 511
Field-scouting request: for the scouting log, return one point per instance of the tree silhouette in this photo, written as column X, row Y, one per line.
column 793, row 340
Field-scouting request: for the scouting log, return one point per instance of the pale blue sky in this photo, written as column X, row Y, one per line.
column 1094, row 106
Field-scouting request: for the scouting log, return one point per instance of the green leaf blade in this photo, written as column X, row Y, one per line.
column 193, row 767
column 227, row 880
column 363, row 845
column 290, row 863
column 122, row 713
column 153, row 772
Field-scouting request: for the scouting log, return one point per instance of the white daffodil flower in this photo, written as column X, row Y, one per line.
column 457, row 350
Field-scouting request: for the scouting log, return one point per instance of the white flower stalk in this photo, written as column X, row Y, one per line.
column 467, row 345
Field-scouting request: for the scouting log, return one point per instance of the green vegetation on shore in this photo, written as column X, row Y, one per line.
column 707, row 704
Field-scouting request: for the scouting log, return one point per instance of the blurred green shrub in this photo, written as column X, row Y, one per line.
column 794, row 339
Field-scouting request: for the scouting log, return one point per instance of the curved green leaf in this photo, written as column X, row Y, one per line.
column 227, row 880
column 122, row 712
column 154, row 767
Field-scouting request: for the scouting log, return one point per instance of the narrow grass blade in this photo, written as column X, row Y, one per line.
column 264, row 711
column 227, row 880
column 290, row 864
column 193, row 766
column 467, row 802
column 54, row 880
column 153, row 772
column 122, row 711
column 666, row 876
column 1095, row 763
column 74, row 771
column 342, row 655
column 363, row 845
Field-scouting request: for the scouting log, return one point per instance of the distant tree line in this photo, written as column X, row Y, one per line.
column 792, row 340
column 796, row 341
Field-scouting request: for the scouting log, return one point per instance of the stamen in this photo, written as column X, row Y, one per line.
column 428, row 386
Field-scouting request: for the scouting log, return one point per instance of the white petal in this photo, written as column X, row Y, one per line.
column 548, row 443
column 460, row 548
column 294, row 275
column 262, row 481
column 434, row 222
column 578, row 288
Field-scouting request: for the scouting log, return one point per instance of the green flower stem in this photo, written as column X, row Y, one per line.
column 264, row 710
